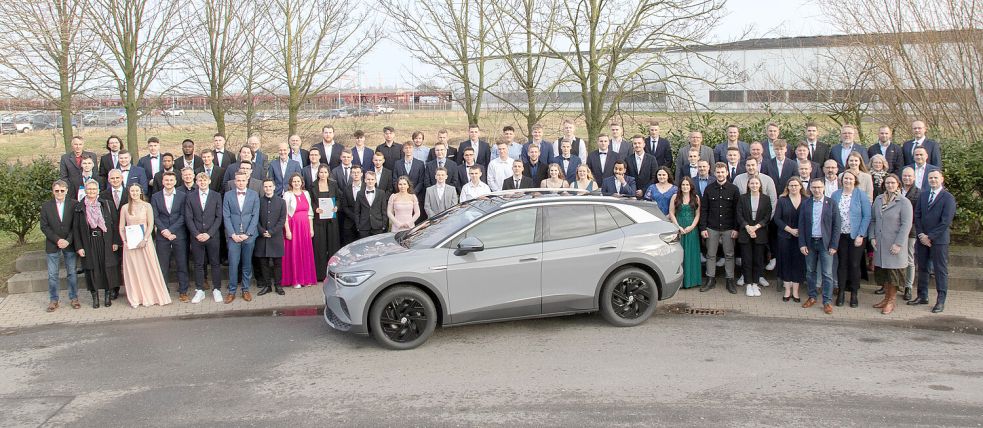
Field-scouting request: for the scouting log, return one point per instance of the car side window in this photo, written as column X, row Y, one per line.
column 504, row 230
column 620, row 217
column 604, row 220
column 569, row 221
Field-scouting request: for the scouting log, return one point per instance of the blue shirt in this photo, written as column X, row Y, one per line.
column 701, row 183
column 817, row 218
column 515, row 150
column 420, row 153
column 845, row 152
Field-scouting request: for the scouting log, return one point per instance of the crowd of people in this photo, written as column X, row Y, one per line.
column 824, row 219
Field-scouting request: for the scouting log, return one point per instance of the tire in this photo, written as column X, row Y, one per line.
column 402, row 318
column 628, row 297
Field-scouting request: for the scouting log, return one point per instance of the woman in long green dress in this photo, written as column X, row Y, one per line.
column 685, row 214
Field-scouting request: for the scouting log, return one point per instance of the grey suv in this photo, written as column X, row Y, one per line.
column 506, row 256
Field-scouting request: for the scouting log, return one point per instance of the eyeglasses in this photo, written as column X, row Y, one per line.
column 60, row 191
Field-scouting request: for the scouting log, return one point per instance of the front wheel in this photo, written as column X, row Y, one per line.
column 402, row 318
column 628, row 297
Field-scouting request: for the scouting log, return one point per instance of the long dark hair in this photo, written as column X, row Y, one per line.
column 694, row 199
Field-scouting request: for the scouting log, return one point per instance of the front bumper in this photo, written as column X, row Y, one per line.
column 336, row 311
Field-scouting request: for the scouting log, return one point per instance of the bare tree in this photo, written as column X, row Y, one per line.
column 614, row 50
column 521, row 30
column 452, row 36
column 313, row 43
column 48, row 52
column 250, row 77
column 140, row 38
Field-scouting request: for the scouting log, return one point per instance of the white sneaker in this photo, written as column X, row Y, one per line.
column 296, row 285
column 770, row 265
column 750, row 291
column 703, row 259
column 199, row 296
column 720, row 262
column 740, row 280
column 217, row 295
column 757, row 291
column 763, row 282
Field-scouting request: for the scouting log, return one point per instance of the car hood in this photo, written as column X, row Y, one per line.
column 367, row 249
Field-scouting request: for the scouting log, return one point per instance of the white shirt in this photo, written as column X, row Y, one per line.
column 60, row 207
column 370, row 196
column 919, row 175
column 155, row 164
column 581, row 147
column 168, row 201
column 615, row 145
column 831, row 186
column 241, row 197
column 498, row 170
column 603, row 157
column 359, row 152
column 203, row 197
column 470, row 190
column 440, row 191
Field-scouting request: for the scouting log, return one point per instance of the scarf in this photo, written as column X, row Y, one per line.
column 93, row 214
column 889, row 197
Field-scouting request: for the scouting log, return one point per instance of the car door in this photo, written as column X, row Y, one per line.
column 502, row 280
column 580, row 242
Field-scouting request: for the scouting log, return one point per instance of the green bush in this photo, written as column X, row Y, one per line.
column 963, row 169
column 23, row 188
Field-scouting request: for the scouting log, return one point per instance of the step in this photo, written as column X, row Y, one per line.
column 34, row 282
column 964, row 278
column 966, row 256
column 32, row 261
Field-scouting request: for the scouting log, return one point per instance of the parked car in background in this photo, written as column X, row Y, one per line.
column 7, row 126
column 23, row 123
column 335, row 113
column 173, row 112
column 105, row 117
column 382, row 108
column 49, row 120
column 364, row 111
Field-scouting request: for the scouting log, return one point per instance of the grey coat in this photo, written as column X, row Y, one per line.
column 889, row 225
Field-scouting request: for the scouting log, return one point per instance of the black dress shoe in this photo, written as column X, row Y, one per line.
column 95, row 299
column 263, row 291
column 731, row 285
column 879, row 291
column 840, row 296
column 917, row 301
column 710, row 284
column 907, row 294
column 278, row 289
column 109, row 300
column 114, row 294
column 939, row 307
column 853, row 300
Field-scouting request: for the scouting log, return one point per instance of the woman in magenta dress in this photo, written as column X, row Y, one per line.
column 298, row 248
column 403, row 208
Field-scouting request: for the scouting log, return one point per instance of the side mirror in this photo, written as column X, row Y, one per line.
column 469, row 245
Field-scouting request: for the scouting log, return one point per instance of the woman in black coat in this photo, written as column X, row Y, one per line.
column 96, row 241
column 327, row 238
column 269, row 242
column 753, row 215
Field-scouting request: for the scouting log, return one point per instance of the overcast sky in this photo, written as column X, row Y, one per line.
column 390, row 66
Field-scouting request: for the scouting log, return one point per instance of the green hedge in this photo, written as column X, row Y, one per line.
column 23, row 188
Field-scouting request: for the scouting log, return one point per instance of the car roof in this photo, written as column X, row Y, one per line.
column 514, row 198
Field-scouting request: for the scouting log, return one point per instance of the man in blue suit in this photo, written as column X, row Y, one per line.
column 788, row 169
column 240, row 214
column 918, row 130
column 819, row 230
column 171, row 239
column 283, row 167
column 841, row 151
column 933, row 217
column 922, row 168
column 545, row 147
column 131, row 173
column 152, row 163
column 891, row 152
column 619, row 183
column 412, row 168
column 568, row 162
column 656, row 146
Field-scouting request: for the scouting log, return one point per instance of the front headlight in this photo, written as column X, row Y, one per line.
column 670, row 238
column 353, row 279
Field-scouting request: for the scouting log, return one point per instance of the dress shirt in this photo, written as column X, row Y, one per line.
column 603, row 156
column 615, row 145
column 638, row 160
column 884, row 147
column 408, row 164
column 154, row 164
column 283, row 168
column 115, row 156
column 702, row 183
column 498, row 170
column 693, row 170
column 515, row 150
column 470, row 190
column 295, row 155
column 516, row 181
column 241, row 198
column 733, row 171
column 168, row 201
column 845, row 152
column 60, row 207
column 817, row 218
column 916, row 144
column 441, row 162
column 370, row 196
column 219, row 156
column 919, row 175
column 831, row 186
column 420, row 153
column 440, row 191
column 812, row 148
column 203, row 197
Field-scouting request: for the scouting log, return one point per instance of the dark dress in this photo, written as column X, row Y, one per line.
column 327, row 240
column 692, row 267
column 101, row 263
column 790, row 261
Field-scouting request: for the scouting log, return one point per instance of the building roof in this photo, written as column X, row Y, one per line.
column 839, row 40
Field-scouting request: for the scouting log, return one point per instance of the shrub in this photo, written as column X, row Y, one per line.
column 23, row 188
column 963, row 169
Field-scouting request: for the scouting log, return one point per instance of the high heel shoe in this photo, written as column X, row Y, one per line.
column 786, row 298
column 796, row 299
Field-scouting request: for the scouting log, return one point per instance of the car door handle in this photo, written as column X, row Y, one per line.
column 608, row 247
column 438, row 267
column 528, row 259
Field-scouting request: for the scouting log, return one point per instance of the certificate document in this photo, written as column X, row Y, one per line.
column 134, row 234
column 327, row 208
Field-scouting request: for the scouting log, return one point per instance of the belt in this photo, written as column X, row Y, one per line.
column 817, row 238
column 97, row 233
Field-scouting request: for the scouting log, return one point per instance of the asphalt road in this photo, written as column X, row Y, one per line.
column 676, row 370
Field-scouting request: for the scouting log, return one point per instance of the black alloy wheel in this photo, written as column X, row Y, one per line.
column 628, row 297
column 402, row 318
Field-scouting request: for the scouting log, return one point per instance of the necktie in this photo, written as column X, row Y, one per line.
column 931, row 197
column 440, row 164
column 347, row 177
column 78, row 161
column 812, row 148
column 516, row 183
column 208, row 172
column 116, row 197
column 733, row 171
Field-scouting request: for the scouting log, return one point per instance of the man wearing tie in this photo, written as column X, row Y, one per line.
column 70, row 165
column 922, row 168
column 601, row 161
column 735, row 166
column 110, row 160
column 172, row 236
column 933, row 217
column 342, row 174
column 131, row 174
column 441, row 195
column 346, row 206
column 213, row 171
column 240, row 214
column 57, row 221
column 641, row 165
column 818, row 150
column 117, row 196
column 517, row 180
column 222, row 157
column 619, row 183
column 370, row 208
column 690, row 169
column 657, row 147
column 152, row 163
column 918, row 131
column 282, row 168
column 440, row 161
column 203, row 218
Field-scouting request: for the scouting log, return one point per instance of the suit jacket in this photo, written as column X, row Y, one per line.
column 260, row 163
column 433, row 204
column 741, row 169
column 790, row 168
column 372, row 217
column 244, row 221
column 230, row 173
column 338, row 176
column 545, row 152
column 124, row 198
column 228, row 158
column 147, row 165
column 912, row 196
column 643, row 174
column 935, row 219
column 346, row 206
column 106, row 164
column 524, row 183
column 280, row 177
column 54, row 228
column 820, row 154
column 335, row 155
column 720, row 152
column 205, row 219
column 761, row 217
column 254, row 184
column 830, row 223
column 272, row 217
column 462, row 176
column 309, row 173
column 934, row 152
column 895, row 156
column 542, row 171
column 594, row 164
column 836, row 153
column 69, row 171
column 431, row 172
column 623, row 150
column 684, row 171
column 135, row 175
column 216, row 178
column 451, row 154
column 158, row 184
column 859, row 211
column 928, row 169
column 75, row 183
column 482, row 154
column 706, row 153
column 196, row 164
column 662, row 153
column 570, row 173
column 383, row 180
column 575, row 145
column 610, row 187
column 416, row 174
column 367, row 154
column 173, row 220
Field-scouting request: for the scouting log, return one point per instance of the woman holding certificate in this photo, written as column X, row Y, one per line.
column 141, row 270
column 404, row 208
column 327, row 240
column 298, row 252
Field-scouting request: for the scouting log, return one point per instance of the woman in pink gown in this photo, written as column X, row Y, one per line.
column 141, row 270
column 298, row 247
column 403, row 208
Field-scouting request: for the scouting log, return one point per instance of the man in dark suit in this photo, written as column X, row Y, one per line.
column 733, row 140
column 245, row 154
column 260, row 160
column 619, row 183
column 213, row 171
column 641, row 165
column 617, row 143
column 772, row 134
column 117, row 196
column 309, row 172
column 534, row 167
column 153, row 160
column 781, row 169
column 440, row 160
column 222, row 157
column 361, row 155
column 841, row 152
column 172, row 234
column 517, row 180
column 57, row 222
column 391, row 150
column 203, row 218
column 330, row 151
column 269, row 242
column 283, row 168
column 922, row 168
column 818, row 150
column 415, row 170
column 918, row 131
column 819, row 230
column 167, row 165
column 383, row 176
column 240, row 214
column 76, row 189
column 546, row 150
column 187, row 184
column 451, row 152
column 342, row 174
column 70, row 165
column 934, row 212
column 482, row 151
column 735, row 166
column 298, row 154
column 691, row 168
column 656, row 146
column 370, row 208
column 893, row 153
column 461, row 174
column 346, row 207
column 568, row 162
column 110, row 160
column 802, row 157
column 695, row 142
column 601, row 161
column 131, row 174
column 188, row 157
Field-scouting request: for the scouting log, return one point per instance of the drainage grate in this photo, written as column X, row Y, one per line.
column 703, row 311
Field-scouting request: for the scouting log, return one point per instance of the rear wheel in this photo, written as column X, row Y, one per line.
column 402, row 318
column 628, row 297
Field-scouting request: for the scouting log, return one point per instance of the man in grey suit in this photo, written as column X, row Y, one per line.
column 240, row 213
column 441, row 195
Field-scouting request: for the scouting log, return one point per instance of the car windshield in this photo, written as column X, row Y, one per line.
column 440, row 226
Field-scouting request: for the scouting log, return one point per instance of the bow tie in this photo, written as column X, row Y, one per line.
column 241, row 193
column 566, row 159
column 219, row 151
column 369, row 192
column 126, row 170
column 603, row 153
